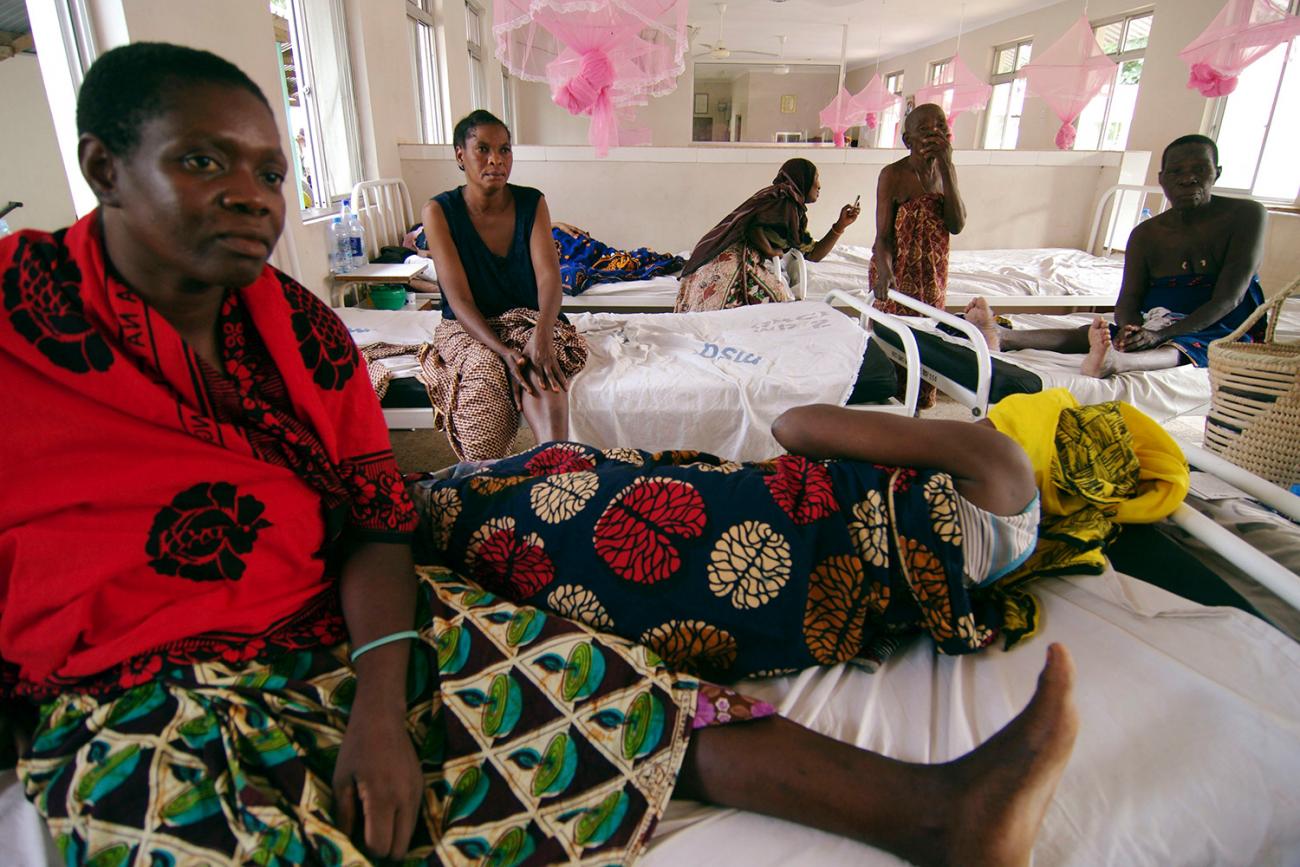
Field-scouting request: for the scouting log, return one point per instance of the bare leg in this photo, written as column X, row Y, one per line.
column 982, row 809
column 979, row 314
column 1104, row 360
column 547, row 414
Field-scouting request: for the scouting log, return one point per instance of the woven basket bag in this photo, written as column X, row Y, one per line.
column 1254, row 418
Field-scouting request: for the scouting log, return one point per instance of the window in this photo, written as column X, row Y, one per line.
column 939, row 71
column 317, row 89
column 1104, row 124
column 426, row 69
column 1257, row 140
column 1002, row 120
column 474, row 40
column 887, row 129
column 507, row 98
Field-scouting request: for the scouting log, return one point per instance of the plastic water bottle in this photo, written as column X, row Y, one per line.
column 4, row 228
column 340, row 247
column 1145, row 215
column 356, row 237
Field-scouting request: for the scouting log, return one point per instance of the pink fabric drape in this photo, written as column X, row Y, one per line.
column 1068, row 75
column 601, row 58
column 840, row 115
column 1242, row 32
column 961, row 90
column 874, row 98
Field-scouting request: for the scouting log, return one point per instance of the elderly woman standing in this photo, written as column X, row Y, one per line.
column 502, row 347
column 726, row 268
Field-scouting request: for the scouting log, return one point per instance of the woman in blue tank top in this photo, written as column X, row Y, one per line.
column 502, row 347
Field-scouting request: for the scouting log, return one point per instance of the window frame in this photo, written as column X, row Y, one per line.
column 474, row 47
column 999, row 78
column 935, row 71
column 1219, row 110
column 427, row 72
column 1120, row 57
column 304, row 66
column 897, row 78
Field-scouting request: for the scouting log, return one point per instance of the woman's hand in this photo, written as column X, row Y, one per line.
column 378, row 773
column 517, row 369
column 884, row 280
column 1135, row 338
column 848, row 216
column 540, row 350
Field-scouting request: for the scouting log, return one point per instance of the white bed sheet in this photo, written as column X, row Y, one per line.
column 1188, row 751
column 992, row 273
column 709, row 381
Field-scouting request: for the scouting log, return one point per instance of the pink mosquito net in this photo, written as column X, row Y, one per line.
column 841, row 114
column 1068, row 75
column 600, row 57
column 873, row 99
column 1242, row 32
column 961, row 90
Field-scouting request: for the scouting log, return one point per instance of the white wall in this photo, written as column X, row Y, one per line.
column 31, row 171
column 812, row 91
column 667, row 198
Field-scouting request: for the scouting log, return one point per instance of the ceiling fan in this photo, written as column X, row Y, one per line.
column 719, row 50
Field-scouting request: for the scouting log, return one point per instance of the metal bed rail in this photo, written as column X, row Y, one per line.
column 911, row 358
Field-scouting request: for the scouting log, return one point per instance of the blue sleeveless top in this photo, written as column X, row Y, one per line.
column 498, row 283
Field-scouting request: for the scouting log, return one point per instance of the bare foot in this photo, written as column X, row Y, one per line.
column 1005, row 785
column 1099, row 361
column 981, row 316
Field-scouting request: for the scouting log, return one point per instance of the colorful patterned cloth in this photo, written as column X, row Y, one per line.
column 736, row 277
column 164, row 512
column 470, row 388
column 727, row 570
column 584, row 261
column 1169, row 299
column 540, row 742
column 1097, row 467
column 921, row 243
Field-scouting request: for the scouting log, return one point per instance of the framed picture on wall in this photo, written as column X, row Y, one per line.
column 701, row 103
column 788, row 104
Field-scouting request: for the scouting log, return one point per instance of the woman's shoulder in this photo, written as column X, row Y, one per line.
column 525, row 195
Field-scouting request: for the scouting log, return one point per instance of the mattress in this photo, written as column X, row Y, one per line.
column 991, row 273
column 1188, row 749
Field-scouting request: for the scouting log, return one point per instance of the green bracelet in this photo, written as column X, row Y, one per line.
column 380, row 642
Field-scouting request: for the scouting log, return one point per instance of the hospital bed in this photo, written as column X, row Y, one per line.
column 712, row 381
column 1188, row 747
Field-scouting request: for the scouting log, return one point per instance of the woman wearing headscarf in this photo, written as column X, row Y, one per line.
column 727, row 268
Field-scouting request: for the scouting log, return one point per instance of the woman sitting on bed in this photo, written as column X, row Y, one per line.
column 728, row 267
column 502, row 346
column 206, row 592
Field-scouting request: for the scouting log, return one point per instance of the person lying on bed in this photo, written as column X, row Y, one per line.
column 918, row 206
column 1190, row 276
column 728, row 267
column 502, row 346
column 586, row 261
column 732, row 570
column 207, row 598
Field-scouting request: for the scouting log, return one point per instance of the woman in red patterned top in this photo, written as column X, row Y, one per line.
column 206, row 594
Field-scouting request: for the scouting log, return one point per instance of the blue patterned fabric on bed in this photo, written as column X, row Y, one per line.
column 584, row 261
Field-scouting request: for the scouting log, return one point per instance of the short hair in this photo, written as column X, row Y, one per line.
column 130, row 85
column 476, row 118
column 1195, row 139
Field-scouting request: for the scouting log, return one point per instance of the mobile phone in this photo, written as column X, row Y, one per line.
column 856, row 200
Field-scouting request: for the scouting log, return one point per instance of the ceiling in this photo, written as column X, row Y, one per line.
column 13, row 16
column 813, row 28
